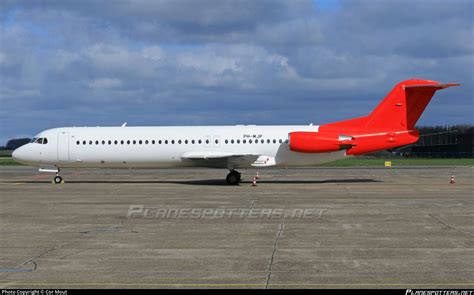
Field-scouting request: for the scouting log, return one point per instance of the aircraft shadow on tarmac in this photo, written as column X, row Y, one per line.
column 217, row 182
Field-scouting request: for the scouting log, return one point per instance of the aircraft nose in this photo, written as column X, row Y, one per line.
column 19, row 154
column 16, row 154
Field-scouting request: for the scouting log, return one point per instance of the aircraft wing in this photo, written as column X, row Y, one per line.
column 227, row 160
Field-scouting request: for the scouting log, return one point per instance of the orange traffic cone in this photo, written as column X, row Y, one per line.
column 254, row 182
column 452, row 179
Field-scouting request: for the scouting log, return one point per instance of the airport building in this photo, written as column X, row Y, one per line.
column 451, row 143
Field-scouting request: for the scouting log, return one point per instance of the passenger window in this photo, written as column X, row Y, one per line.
column 262, row 141
column 207, row 141
column 172, row 141
column 90, row 142
column 226, row 141
column 115, row 142
column 186, row 141
column 179, row 141
column 199, row 141
column 280, row 141
column 231, row 141
column 216, row 141
column 238, row 140
column 78, row 142
column 96, row 142
column 268, row 140
column 274, row 141
column 250, row 141
column 139, row 142
column 153, row 141
column 159, row 141
column 166, row 141
column 128, row 141
column 103, row 141
column 146, row 141
column 192, row 141
column 121, row 142
column 109, row 142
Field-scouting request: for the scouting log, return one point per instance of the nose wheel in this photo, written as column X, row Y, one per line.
column 57, row 179
column 233, row 178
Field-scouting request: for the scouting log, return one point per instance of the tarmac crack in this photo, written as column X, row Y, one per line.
column 34, row 258
column 275, row 247
column 112, row 228
column 251, row 205
column 448, row 226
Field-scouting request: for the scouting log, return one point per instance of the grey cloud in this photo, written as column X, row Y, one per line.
column 224, row 62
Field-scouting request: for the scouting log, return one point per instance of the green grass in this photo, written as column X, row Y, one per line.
column 350, row 162
column 8, row 161
column 358, row 161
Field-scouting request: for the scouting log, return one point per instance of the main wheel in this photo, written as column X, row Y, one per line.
column 57, row 179
column 233, row 178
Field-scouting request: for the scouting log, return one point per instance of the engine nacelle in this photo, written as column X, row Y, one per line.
column 318, row 142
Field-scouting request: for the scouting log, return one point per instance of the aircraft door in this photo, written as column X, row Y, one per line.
column 63, row 146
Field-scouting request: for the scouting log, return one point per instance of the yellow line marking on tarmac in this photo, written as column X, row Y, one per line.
column 234, row 284
column 14, row 183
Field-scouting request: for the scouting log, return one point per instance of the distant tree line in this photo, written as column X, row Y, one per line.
column 462, row 128
column 15, row 143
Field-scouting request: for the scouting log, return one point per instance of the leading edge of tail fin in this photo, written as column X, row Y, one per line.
column 403, row 106
column 399, row 110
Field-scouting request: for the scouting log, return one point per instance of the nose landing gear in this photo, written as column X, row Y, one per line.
column 57, row 179
column 233, row 178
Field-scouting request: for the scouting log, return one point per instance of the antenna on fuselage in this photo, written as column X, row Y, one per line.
column 124, row 124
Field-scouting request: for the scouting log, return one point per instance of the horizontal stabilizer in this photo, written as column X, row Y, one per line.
column 432, row 86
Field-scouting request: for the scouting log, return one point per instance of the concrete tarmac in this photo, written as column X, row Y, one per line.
column 298, row 228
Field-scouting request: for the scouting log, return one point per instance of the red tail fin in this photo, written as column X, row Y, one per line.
column 399, row 110
column 392, row 122
column 403, row 106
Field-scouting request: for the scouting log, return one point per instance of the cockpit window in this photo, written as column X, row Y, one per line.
column 33, row 139
column 41, row 140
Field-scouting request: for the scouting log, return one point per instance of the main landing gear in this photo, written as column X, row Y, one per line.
column 233, row 178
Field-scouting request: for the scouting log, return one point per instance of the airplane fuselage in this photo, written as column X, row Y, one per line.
column 160, row 147
column 391, row 124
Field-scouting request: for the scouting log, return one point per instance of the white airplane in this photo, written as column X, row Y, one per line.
column 390, row 125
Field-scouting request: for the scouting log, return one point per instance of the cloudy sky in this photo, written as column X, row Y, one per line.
column 200, row 62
